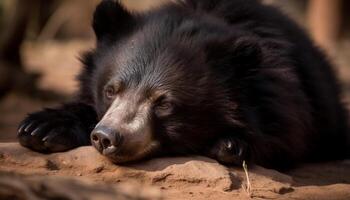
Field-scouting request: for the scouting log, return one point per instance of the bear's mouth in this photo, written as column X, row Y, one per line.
column 120, row 156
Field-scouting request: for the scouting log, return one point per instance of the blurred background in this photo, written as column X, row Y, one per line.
column 41, row 40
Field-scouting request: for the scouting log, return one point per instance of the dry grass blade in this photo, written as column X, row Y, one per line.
column 247, row 187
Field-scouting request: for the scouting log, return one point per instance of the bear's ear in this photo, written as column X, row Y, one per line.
column 111, row 19
column 240, row 56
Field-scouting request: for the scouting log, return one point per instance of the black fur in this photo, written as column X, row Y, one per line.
column 250, row 84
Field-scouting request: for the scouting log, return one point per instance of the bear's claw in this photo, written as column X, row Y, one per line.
column 229, row 151
column 50, row 131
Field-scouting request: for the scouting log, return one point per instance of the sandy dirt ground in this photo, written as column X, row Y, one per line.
column 84, row 174
column 66, row 175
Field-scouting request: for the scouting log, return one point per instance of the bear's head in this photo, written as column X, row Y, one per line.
column 158, row 83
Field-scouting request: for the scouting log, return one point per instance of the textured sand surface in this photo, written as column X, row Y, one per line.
column 85, row 174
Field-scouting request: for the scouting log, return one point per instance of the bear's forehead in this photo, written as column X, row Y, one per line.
column 145, row 53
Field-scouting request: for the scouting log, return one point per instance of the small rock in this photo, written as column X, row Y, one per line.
column 99, row 169
column 283, row 190
column 50, row 165
column 160, row 177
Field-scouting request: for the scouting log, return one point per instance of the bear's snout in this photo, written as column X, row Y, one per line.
column 106, row 140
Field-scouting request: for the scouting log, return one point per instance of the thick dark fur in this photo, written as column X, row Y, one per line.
column 254, row 85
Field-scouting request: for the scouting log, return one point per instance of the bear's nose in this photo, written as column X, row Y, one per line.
column 105, row 140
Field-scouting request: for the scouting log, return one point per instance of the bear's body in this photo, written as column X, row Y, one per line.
column 231, row 79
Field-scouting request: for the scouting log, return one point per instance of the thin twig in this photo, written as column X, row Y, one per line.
column 247, row 187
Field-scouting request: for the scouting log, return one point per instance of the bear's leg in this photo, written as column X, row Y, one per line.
column 229, row 151
column 61, row 129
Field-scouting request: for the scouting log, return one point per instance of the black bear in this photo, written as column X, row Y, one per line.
column 230, row 79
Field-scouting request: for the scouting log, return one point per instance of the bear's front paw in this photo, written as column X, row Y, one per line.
column 229, row 151
column 51, row 131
